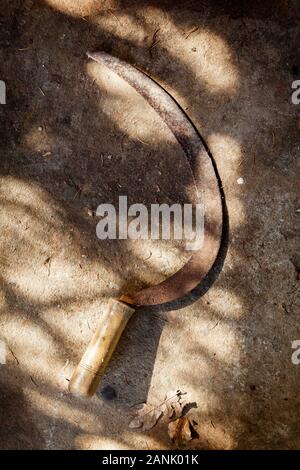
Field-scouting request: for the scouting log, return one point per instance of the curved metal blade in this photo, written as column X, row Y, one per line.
column 203, row 175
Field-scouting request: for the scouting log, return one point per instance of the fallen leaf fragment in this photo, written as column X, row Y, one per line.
column 172, row 405
column 180, row 431
column 145, row 416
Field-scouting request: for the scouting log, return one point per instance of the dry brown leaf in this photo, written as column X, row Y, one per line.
column 145, row 416
column 180, row 431
column 175, row 410
column 173, row 404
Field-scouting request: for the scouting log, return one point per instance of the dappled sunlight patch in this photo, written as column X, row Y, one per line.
column 226, row 148
column 215, row 435
column 209, row 342
column 228, row 155
column 126, row 27
column 39, row 141
column 57, row 407
column 3, row 301
column 236, row 208
column 20, row 191
column 22, row 200
column 87, row 313
column 158, row 259
column 228, row 304
column 215, row 67
column 33, row 348
column 207, row 55
column 77, row 9
column 45, row 245
column 94, row 442
column 100, row 442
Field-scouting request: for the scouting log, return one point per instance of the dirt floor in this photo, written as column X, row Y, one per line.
column 74, row 136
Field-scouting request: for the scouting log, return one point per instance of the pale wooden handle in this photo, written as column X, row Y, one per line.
column 91, row 368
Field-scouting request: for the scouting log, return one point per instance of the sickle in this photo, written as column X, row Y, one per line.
column 87, row 376
column 204, row 178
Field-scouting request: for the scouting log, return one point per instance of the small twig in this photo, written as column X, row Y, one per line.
column 109, row 11
column 285, row 308
column 33, row 381
column 214, row 326
column 155, row 44
column 142, row 141
column 154, row 36
column 155, row 41
column 191, row 32
column 14, row 356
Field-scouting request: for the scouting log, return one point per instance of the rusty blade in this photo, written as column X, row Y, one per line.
column 203, row 175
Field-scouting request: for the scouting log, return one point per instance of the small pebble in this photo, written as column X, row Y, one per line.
column 240, row 181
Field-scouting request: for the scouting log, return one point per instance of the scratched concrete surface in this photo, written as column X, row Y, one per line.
column 72, row 137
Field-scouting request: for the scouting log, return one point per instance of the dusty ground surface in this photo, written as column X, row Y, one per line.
column 72, row 137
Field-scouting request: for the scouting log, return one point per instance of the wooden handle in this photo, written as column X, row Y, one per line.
column 87, row 375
